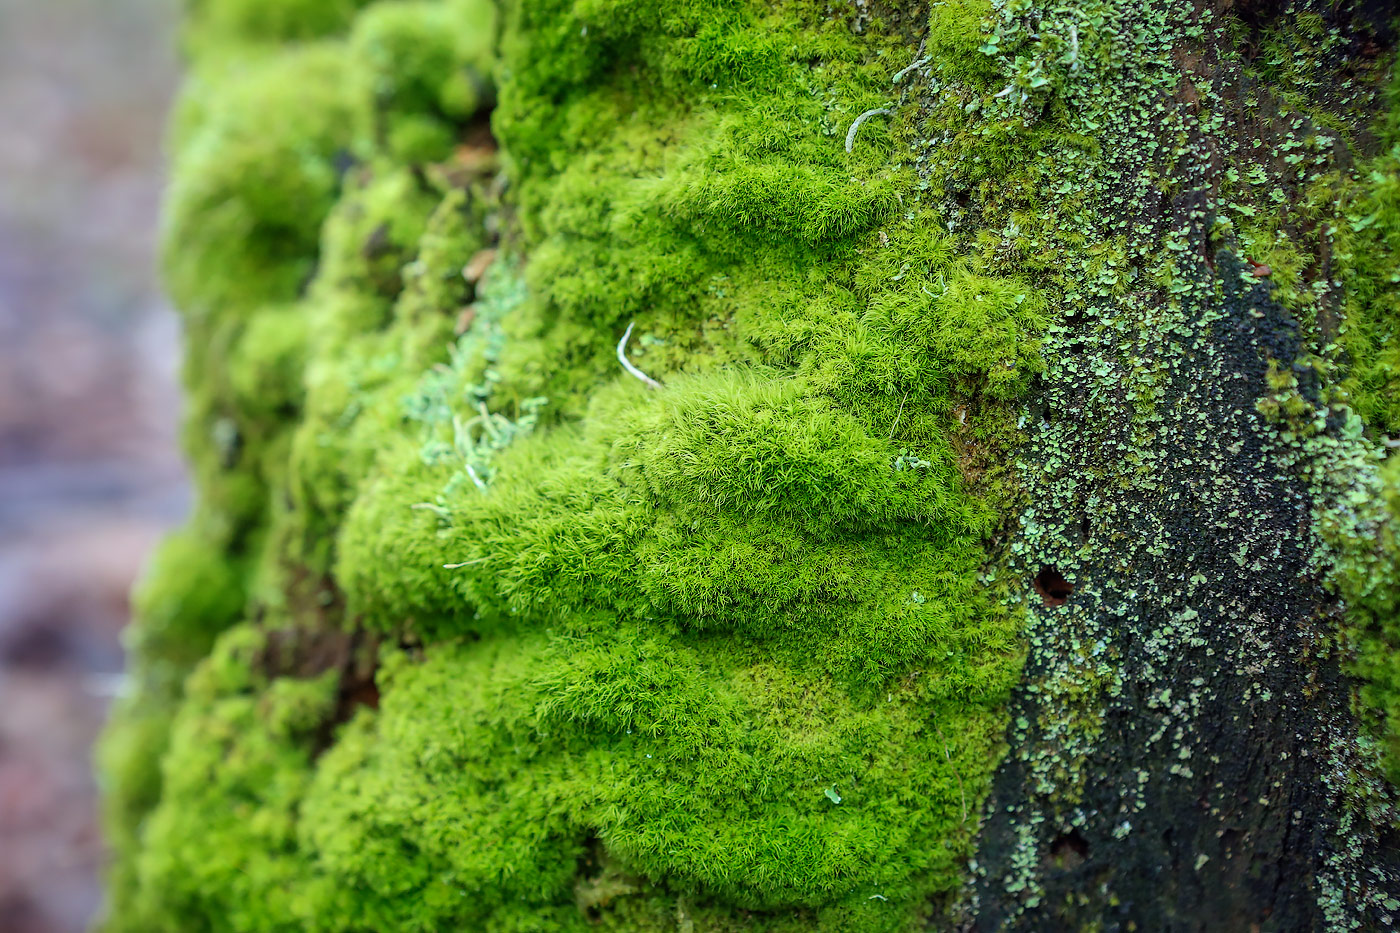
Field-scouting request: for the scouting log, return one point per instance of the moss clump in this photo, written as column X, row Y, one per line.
column 1369, row 243
column 221, row 841
column 713, row 654
column 1373, row 587
column 425, row 75
column 254, row 175
column 229, row 28
column 724, row 653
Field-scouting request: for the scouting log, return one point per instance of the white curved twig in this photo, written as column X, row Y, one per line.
column 918, row 63
column 627, row 364
column 851, row 133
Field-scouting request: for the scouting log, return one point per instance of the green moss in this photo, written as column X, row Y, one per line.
column 128, row 758
column 956, row 35
column 425, row 72
column 191, row 592
column 266, row 365
column 410, row 823
column 1351, row 215
column 253, row 176
column 220, row 844
column 1373, row 587
column 215, row 28
column 715, row 654
column 1368, row 237
column 767, row 449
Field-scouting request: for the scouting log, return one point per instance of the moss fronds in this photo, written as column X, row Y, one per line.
column 716, row 652
column 730, row 647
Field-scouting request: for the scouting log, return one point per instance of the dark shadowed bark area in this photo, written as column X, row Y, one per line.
column 1184, row 751
column 1181, row 749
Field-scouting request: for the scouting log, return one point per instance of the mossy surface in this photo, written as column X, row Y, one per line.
column 714, row 655
column 475, row 628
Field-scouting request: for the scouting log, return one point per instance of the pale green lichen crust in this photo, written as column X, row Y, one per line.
column 471, row 628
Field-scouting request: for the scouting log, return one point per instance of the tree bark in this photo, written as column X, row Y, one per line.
column 777, row 466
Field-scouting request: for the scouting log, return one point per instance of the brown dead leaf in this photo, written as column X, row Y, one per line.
column 477, row 266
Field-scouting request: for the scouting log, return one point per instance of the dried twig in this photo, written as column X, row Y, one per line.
column 897, row 414
column 851, row 133
column 919, row 63
column 627, row 364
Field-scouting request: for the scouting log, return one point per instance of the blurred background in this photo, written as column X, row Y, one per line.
column 90, row 476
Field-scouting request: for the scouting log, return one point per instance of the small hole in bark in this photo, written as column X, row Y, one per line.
column 1052, row 586
column 1084, row 529
column 1069, row 850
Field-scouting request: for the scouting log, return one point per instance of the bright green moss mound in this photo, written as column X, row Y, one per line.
column 1365, row 526
column 1370, row 242
column 715, row 655
column 472, row 630
column 473, row 794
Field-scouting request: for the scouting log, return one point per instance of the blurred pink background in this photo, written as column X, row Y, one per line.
column 90, row 476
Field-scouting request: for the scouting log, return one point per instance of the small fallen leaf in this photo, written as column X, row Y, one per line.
column 464, row 320
column 477, row 266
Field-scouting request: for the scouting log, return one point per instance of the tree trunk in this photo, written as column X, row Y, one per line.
column 776, row 466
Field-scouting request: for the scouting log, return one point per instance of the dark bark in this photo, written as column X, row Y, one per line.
column 1183, row 740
